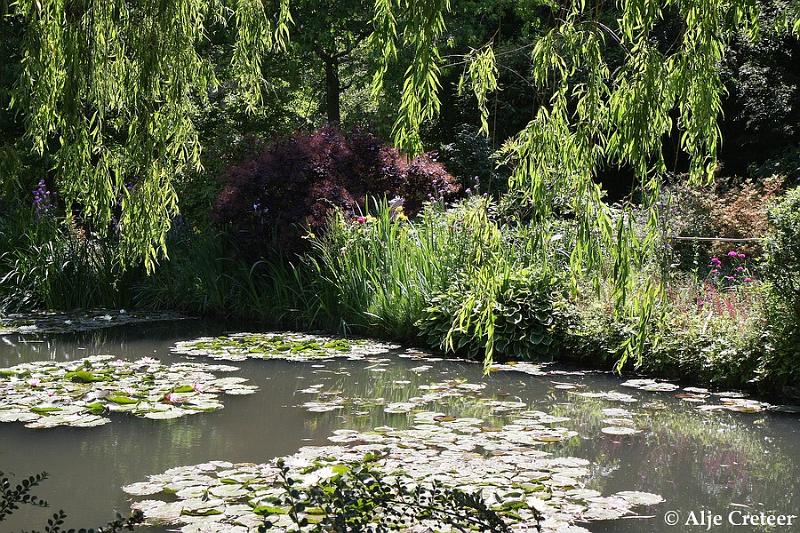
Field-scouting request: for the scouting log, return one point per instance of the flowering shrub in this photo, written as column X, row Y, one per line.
column 291, row 186
column 728, row 210
column 729, row 289
column 730, row 274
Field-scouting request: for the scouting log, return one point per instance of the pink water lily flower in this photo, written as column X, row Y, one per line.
column 171, row 398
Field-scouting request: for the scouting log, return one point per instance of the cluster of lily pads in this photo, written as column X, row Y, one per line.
column 45, row 394
column 51, row 322
column 706, row 399
column 434, row 392
column 723, row 400
column 288, row 346
column 506, row 465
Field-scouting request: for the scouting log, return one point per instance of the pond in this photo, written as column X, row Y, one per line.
column 662, row 443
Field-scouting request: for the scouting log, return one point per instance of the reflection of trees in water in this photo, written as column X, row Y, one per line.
column 358, row 388
column 123, row 340
column 720, row 455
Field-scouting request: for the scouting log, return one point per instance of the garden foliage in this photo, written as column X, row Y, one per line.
column 290, row 187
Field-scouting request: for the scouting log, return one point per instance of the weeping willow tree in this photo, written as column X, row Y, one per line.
column 617, row 90
column 108, row 89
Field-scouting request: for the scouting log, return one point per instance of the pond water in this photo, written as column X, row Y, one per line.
column 715, row 461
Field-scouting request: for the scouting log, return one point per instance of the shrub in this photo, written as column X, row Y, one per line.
column 52, row 264
column 521, row 311
column 729, row 210
column 291, row 186
column 469, row 158
column 782, row 265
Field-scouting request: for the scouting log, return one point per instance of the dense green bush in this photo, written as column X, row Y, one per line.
column 782, row 265
column 46, row 263
column 522, row 317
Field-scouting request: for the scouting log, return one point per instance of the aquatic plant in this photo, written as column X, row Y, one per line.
column 362, row 498
column 53, row 264
column 44, row 322
column 80, row 393
column 288, row 346
column 519, row 482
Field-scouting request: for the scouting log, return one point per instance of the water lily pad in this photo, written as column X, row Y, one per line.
column 287, row 346
column 80, row 393
column 518, row 481
column 619, row 430
column 50, row 322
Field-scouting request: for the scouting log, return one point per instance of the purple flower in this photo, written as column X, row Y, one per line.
column 361, row 220
column 715, row 271
column 42, row 199
column 741, row 256
column 715, row 261
column 733, row 253
column 740, row 269
column 748, row 280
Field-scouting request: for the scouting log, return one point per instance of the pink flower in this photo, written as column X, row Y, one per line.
column 740, row 269
column 361, row 220
column 741, row 256
column 715, row 271
column 748, row 280
column 715, row 261
column 733, row 253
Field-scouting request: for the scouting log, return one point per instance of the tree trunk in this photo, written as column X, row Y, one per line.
column 333, row 90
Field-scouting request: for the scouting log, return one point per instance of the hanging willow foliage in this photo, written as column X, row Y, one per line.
column 108, row 89
column 416, row 25
column 617, row 91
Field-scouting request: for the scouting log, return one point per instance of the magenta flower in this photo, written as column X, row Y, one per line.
column 715, row 261
column 733, row 253
column 361, row 220
column 740, row 269
column 748, row 280
column 715, row 271
column 741, row 256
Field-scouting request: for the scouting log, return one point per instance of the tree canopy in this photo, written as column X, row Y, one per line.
column 108, row 92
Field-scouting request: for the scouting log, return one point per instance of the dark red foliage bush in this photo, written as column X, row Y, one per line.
column 289, row 187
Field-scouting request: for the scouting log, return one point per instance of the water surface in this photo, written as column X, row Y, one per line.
column 719, row 461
